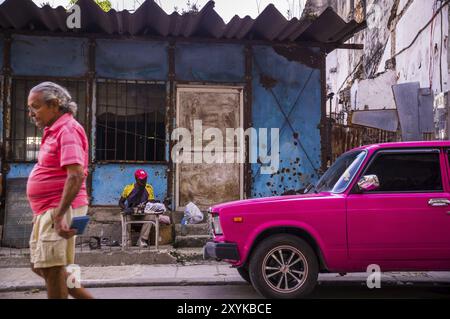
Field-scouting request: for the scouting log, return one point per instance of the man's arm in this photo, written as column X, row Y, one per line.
column 74, row 180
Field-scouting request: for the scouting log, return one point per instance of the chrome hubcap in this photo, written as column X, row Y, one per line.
column 285, row 269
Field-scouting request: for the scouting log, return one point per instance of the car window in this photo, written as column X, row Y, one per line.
column 407, row 172
column 339, row 175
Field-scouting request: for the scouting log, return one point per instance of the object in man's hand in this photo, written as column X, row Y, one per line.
column 79, row 223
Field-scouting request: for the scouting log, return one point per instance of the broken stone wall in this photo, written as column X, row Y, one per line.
column 394, row 52
column 425, row 61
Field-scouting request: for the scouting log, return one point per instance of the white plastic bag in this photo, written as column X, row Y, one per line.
column 192, row 214
column 152, row 208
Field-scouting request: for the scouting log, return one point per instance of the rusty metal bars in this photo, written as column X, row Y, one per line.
column 122, row 131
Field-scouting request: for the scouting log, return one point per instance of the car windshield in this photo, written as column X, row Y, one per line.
column 340, row 174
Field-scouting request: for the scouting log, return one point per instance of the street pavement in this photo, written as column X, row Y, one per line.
column 245, row 292
column 147, row 280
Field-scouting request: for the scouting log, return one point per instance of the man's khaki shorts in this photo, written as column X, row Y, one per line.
column 47, row 248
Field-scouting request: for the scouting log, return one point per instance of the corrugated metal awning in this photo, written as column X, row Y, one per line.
column 151, row 20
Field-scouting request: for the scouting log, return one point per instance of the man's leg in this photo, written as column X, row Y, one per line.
column 81, row 292
column 56, row 276
column 146, row 228
column 77, row 293
column 55, row 280
column 37, row 271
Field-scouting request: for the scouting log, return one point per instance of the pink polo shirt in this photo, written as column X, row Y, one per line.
column 64, row 143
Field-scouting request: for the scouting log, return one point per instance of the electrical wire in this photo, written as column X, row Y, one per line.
column 422, row 29
column 401, row 51
column 431, row 61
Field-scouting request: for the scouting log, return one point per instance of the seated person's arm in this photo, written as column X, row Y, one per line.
column 122, row 202
column 123, row 197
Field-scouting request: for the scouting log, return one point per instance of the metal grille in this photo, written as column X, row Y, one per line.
column 130, row 121
column 25, row 137
column 344, row 138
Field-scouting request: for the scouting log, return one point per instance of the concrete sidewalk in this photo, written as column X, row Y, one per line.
column 213, row 273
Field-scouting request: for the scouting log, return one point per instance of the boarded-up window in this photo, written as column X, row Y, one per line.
column 204, row 183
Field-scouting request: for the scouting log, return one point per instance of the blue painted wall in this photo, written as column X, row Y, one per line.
column 19, row 170
column 295, row 170
column 134, row 60
column 210, row 62
column 109, row 180
column 226, row 63
column 50, row 56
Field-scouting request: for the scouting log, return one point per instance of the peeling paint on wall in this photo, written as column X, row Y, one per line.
column 110, row 179
column 405, row 41
column 376, row 93
column 425, row 61
column 297, row 94
column 208, row 184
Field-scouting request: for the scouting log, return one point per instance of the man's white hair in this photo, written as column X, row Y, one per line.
column 52, row 91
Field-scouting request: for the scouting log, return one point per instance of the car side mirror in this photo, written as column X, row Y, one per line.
column 368, row 183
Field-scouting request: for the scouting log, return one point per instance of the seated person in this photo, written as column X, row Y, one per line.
column 137, row 194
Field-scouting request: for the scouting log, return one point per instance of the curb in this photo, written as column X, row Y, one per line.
column 119, row 284
column 233, row 281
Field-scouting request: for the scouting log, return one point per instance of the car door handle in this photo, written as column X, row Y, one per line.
column 439, row 202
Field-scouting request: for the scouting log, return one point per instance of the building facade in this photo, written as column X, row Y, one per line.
column 136, row 77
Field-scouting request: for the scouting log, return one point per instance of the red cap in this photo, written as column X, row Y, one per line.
column 140, row 174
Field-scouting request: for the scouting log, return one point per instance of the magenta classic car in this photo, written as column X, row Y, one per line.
column 384, row 204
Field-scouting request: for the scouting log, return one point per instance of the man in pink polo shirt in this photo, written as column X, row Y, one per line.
column 56, row 187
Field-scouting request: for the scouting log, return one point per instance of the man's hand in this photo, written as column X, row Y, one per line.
column 61, row 227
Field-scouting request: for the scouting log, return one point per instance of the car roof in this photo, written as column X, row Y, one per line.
column 412, row 144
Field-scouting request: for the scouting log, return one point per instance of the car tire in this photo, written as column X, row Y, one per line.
column 243, row 272
column 270, row 273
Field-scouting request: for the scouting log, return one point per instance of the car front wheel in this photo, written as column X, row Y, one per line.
column 284, row 267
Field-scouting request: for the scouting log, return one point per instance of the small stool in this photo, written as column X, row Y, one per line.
column 127, row 220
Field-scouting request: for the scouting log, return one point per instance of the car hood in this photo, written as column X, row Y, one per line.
column 266, row 200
